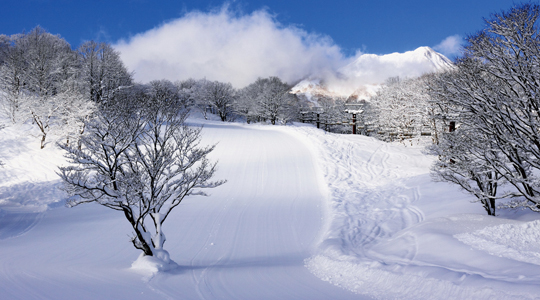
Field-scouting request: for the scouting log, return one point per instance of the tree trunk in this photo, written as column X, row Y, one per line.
column 138, row 240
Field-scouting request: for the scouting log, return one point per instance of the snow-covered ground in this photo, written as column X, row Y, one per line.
column 304, row 215
column 393, row 233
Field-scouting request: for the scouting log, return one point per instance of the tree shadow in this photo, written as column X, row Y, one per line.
column 277, row 261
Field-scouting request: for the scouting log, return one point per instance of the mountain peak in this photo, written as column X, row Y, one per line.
column 368, row 71
column 439, row 61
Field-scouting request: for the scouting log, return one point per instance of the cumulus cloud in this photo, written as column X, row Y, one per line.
column 450, row 46
column 228, row 46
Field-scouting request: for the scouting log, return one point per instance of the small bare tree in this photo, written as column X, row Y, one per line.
column 141, row 161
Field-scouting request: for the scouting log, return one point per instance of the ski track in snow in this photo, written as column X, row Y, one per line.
column 247, row 240
column 373, row 203
column 379, row 242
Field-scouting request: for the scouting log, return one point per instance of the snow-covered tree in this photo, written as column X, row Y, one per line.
column 462, row 156
column 12, row 77
column 41, row 89
column 495, row 92
column 44, row 81
column 73, row 110
column 138, row 156
column 246, row 105
column 272, row 101
column 47, row 59
column 275, row 102
column 102, row 71
column 171, row 94
column 401, row 106
column 198, row 94
column 217, row 96
column 332, row 113
column 186, row 92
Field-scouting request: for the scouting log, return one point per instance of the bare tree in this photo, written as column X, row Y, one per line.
column 102, row 71
column 273, row 101
column 402, row 106
column 12, row 77
column 140, row 161
column 495, row 92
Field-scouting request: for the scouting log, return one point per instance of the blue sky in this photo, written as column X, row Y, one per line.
column 338, row 29
column 372, row 26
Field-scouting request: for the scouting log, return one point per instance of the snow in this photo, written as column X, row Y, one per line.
column 519, row 241
column 304, row 215
column 160, row 262
column 396, row 234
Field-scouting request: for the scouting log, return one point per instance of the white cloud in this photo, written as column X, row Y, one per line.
column 232, row 47
column 450, row 46
column 227, row 46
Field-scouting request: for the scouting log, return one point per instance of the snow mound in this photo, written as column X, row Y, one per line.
column 160, row 262
column 32, row 196
column 373, row 280
column 519, row 242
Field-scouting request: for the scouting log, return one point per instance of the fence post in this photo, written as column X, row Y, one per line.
column 353, row 123
column 452, row 126
column 318, row 122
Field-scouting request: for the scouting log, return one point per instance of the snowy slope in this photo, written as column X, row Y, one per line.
column 248, row 240
column 396, row 234
column 304, row 215
column 362, row 77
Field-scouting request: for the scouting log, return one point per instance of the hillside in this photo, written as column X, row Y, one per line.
column 304, row 215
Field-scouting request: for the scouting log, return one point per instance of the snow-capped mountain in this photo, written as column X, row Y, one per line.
column 362, row 77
